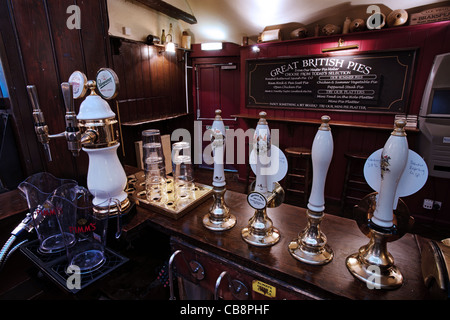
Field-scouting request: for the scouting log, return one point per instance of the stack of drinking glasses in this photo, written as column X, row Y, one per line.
column 182, row 173
column 154, row 166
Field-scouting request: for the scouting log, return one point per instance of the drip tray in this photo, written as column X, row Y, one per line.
column 55, row 265
column 168, row 206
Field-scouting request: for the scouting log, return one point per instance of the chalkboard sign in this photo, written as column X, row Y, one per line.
column 369, row 82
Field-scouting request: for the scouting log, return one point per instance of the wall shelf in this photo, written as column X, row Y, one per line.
column 146, row 121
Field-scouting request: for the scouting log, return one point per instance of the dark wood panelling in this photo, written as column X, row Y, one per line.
column 22, row 121
column 152, row 90
column 49, row 52
column 41, row 70
column 152, row 82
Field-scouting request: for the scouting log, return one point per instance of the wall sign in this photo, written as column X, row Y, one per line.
column 369, row 82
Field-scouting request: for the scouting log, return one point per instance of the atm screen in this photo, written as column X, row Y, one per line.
column 441, row 102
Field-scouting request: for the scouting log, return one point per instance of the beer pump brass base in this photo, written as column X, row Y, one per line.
column 219, row 225
column 260, row 230
column 311, row 245
column 114, row 210
column 373, row 264
column 219, row 217
column 264, row 239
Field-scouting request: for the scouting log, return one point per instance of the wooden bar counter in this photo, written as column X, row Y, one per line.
column 226, row 251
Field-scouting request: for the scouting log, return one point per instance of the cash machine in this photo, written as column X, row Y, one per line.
column 434, row 119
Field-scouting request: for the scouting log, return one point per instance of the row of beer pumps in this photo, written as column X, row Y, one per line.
column 94, row 130
column 382, row 219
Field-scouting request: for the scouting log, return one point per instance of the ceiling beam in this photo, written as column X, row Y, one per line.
column 169, row 10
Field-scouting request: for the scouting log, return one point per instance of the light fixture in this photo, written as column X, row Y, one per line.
column 256, row 49
column 212, row 46
column 340, row 46
column 271, row 35
column 169, row 45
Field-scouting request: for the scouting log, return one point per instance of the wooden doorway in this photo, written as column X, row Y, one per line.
column 216, row 87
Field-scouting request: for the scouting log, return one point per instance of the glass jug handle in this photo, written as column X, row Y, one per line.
column 119, row 218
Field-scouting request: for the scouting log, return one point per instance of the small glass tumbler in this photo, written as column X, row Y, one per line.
column 152, row 147
column 183, row 173
column 154, row 165
column 155, row 180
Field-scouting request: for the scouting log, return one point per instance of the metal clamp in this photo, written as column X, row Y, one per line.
column 238, row 289
column 196, row 269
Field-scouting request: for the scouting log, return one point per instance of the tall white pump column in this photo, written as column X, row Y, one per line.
column 106, row 178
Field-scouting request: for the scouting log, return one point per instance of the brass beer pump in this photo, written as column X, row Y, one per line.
column 219, row 217
column 373, row 264
column 311, row 245
column 265, row 192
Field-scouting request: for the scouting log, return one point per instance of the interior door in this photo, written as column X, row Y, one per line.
column 217, row 87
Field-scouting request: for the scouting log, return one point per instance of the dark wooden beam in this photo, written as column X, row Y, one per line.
column 169, row 10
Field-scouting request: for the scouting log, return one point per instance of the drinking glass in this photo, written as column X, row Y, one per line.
column 183, row 173
column 154, row 165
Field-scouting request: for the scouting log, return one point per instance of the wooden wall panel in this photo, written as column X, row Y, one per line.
column 94, row 36
column 152, row 82
column 152, row 90
column 41, row 70
column 49, row 53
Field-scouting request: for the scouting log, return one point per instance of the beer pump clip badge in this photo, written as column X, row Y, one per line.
column 78, row 81
column 256, row 200
column 107, row 83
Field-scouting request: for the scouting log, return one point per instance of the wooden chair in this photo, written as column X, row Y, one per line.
column 298, row 178
column 355, row 186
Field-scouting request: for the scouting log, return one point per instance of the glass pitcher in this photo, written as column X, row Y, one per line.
column 87, row 223
column 37, row 189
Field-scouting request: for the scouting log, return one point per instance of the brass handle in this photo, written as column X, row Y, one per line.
column 197, row 270
column 238, row 289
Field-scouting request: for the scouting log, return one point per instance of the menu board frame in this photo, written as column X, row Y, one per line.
column 364, row 81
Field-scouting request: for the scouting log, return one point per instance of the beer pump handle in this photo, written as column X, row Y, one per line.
column 40, row 127
column 67, row 91
column 73, row 134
